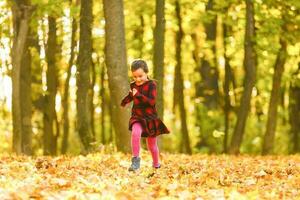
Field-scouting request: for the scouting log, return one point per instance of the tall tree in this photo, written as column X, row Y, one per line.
column 21, row 17
column 115, row 59
column 268, row 143
column 229, row 77
column 65, row 101
column 103, row 104
column 227, row 105
column 139, row 32
column 50, row 96
column 83, row 75
column 249, row 81
column 208, row 86
column 178, row 85
column 111, row 123
column 25, row 93
column 92, row 106
column 294, row 110
column 158, row 53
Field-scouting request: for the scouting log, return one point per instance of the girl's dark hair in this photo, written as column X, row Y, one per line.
column 136, row 64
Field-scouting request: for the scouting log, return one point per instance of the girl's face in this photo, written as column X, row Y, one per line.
column 139, row 76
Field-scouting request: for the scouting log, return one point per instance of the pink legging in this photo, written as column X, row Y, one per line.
column 151, row 144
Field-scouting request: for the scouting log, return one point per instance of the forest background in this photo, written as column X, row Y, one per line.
column 228, row 74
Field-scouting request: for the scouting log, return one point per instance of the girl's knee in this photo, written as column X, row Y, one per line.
column 151, row 144
column 136, row 129
column 137, row 125
column 136, row 134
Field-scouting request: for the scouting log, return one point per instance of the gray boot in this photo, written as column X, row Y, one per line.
column 156, row 167
column 135, row 163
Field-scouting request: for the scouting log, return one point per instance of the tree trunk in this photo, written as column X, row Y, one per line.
column 138, row 35
column 227, row 104
column 158, row 54
column 269, row 138
column 25, row 93
column 115, row 58
column 111, row 127
column 37, row 86
column 178, row 88
column 92, row 106
column 207, row 89
column 65, row 102
column 103, row 103
column 21, row 18
column 83, row 75
column 229, row 78
column 51, row 74
column 141, row 33
column 294, row 110
column 208, row 86
column 250, row 74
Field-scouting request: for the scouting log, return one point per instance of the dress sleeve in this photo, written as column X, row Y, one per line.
column 127, row 99
column 152, row 95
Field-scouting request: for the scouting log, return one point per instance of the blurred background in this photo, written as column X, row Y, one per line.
column 228, row 74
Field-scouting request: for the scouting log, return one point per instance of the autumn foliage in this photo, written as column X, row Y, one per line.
column 104, row 175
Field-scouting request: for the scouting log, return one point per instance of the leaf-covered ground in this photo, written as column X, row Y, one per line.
column 105, row 176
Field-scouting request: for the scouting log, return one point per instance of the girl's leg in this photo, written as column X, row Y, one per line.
column 153, row 148
column 135, row 139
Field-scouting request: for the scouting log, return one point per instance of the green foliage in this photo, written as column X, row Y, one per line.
column 211, row 130
column 139, row 27
column 53, row 8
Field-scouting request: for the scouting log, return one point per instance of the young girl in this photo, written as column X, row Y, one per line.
column 144, row 121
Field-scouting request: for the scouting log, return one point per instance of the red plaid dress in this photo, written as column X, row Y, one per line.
column 144, row 110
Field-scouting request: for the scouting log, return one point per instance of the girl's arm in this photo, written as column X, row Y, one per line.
column 127, row 99
column 148, row 99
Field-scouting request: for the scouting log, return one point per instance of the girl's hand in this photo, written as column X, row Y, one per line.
column 134, row 91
